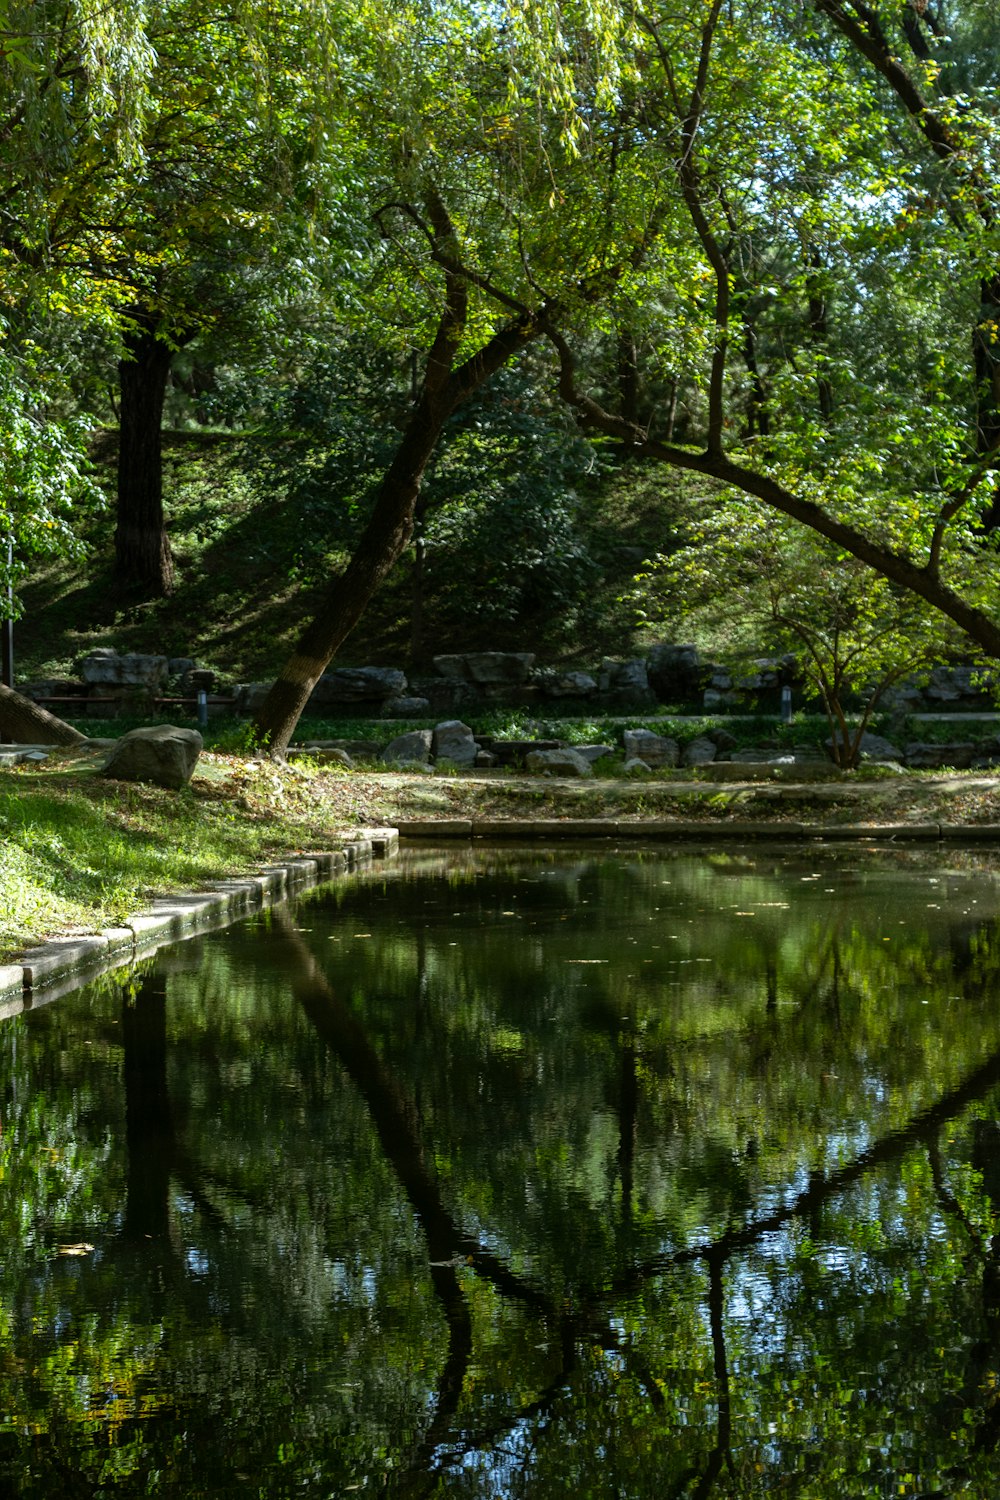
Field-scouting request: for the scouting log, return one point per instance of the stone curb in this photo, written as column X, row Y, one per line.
column 532, row 829
column 63, row 964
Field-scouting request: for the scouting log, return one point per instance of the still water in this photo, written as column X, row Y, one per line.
column 608, row 1174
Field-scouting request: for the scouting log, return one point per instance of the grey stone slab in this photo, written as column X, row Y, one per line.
column 195, row 909
column 121, row 941
column 732, row 828
column 574, row 828
column 243, row 895
column 62, row 956
column 71, row 981
column 973, row 833
column 220, row 907
column 64, row 964
column 325, row 862
column 358, row 852
column 151, row 930
column 275, row 881
column 384, row 841
column 503, row 828
column 664, row 829
column 879, row 832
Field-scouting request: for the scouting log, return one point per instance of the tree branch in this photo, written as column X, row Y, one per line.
column 716, row 465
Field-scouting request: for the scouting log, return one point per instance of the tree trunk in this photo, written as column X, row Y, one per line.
column 628, row 376
column 758, row 418
column 986, row 358
column 142, row 549
column 382, row 542
column 391, row 524
column 25, row 723
column 418, row 581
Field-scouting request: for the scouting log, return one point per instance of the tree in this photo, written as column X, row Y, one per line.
column 201, row 235
column 890, row 468
column 497, row 541
column 481, row 245
column 43, row 476
column 767, row 581
column 161, row 192
column 932, row 64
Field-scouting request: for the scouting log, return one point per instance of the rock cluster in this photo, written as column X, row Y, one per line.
column 453, row 745
column 110, row 682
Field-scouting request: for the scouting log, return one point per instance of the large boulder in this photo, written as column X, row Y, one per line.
column 105, row 668
column 558, row 763
column 409, row 748
column 453, row 741
column 654, row 749
column 443, row 695
column 933, row 757
column 623, row 676
column 488, row 668
column 358, row 685
column 513, row 752
column 555, row 684
column 675, row 672
column 593, row 753
column 700, row 752
column 875, row 747
column 162, row 755
column 250, row 696
column 407, row 707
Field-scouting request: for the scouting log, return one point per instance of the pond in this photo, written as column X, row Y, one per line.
column 596, row 1173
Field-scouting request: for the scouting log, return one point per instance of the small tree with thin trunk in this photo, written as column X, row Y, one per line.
column 752, row 580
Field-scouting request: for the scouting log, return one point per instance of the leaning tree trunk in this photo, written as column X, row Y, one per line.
column 382, row 543
column 142, row 549
column 391, row 524
column 26, row 724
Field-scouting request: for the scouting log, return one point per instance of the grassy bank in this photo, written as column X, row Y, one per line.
column 78, row 852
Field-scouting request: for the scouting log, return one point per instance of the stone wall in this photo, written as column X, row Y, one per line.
column 671, row 673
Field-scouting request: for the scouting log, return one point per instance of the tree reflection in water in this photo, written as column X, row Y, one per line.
column 623, row 1175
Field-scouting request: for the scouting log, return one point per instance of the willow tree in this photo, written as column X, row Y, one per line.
column 73, row 84
column 491, row 212
column 205, row 233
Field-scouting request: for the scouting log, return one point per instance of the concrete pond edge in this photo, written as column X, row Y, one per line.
column 55, row 968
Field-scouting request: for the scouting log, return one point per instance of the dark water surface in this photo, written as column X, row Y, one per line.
column 595, row 1174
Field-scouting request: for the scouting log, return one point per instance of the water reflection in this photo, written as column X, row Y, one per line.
column 624, row 1174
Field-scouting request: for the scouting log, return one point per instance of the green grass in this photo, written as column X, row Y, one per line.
column 78, row 852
